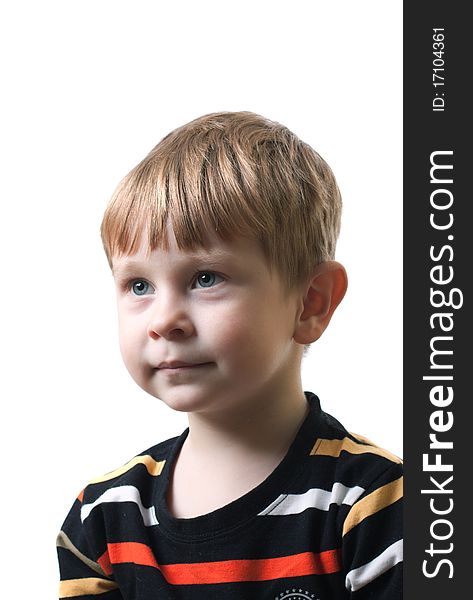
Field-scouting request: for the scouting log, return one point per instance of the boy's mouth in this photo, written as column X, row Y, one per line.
column 177, row 365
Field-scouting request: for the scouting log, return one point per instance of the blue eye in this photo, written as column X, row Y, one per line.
column 206, row 279
column 139, row 287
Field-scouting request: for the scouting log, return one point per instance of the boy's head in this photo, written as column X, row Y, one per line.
column 236, row 175
column 220, row 242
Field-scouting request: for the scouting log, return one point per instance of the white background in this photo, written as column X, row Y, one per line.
column 88, row 88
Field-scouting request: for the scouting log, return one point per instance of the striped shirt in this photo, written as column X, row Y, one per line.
column 326, row 524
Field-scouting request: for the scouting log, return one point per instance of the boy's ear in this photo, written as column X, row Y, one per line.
column 321, row 297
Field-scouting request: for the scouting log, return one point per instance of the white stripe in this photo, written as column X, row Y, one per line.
column 358, row 578
column 124, row 493
column 292, row 504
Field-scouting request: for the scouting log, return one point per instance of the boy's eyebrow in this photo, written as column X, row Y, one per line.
column 212, row 255
column 126, row 267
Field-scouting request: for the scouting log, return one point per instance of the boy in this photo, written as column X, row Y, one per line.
column 221, row 243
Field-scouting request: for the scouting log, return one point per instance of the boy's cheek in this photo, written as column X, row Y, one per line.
column 129, row 345
column 227, row 331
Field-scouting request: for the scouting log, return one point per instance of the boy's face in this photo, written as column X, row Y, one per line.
column 206, row 329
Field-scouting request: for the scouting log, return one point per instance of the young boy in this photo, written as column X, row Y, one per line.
column 221, row 243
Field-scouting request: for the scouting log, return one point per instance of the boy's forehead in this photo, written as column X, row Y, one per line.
column 217, row 251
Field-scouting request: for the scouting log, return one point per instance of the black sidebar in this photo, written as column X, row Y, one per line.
column 438, row 259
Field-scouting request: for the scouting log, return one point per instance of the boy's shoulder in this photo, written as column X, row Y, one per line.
column 336, row 441
column 140, row 473
column 339, row 468
column 340, row 457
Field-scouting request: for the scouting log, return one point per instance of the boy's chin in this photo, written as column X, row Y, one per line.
column 186, row 401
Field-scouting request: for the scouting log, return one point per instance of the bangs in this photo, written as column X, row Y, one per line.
column 196, row 190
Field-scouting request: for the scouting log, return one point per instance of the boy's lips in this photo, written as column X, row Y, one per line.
column 177, row 364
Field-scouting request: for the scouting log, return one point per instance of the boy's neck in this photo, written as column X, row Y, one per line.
column 259, row 426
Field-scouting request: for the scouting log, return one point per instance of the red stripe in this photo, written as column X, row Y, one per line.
column 104, row 562
column 262, row 569
column 225, row 571
column 127, row 552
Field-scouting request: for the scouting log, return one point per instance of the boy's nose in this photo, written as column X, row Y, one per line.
column 169, row 320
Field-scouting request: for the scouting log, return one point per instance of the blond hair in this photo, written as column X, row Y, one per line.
column 236, row 174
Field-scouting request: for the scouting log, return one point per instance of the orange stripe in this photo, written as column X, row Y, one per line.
column 263, row 569
column 80, row 497
column 127, row 552
column 104, row 562
column 225, row 571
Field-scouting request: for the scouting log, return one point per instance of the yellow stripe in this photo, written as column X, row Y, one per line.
column 334, row 448
column 374, row 502
column 154, row 468
column 81, row 587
